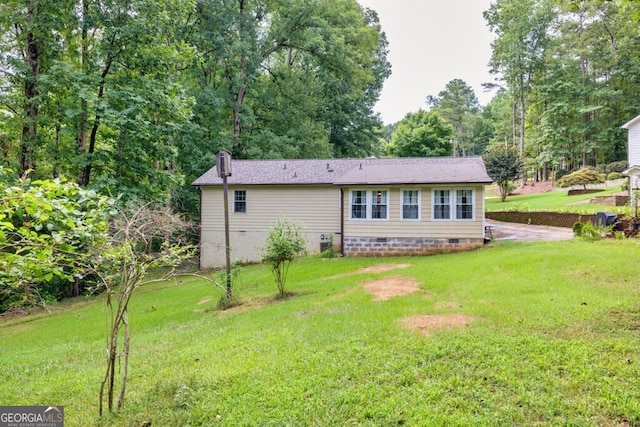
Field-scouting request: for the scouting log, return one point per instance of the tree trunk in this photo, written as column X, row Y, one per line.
column 85, row 176
column 33, row 57
column 84, row 105
column 522, row 127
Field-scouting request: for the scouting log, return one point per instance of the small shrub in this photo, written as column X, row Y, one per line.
column 577, row 228
column 330, row 252
column 591, row 232
column 624, row 186
column 582, row 177
column 614, row 175
column 284, row 242
column 616, row 166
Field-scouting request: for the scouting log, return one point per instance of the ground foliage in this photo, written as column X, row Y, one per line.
column 49, row 231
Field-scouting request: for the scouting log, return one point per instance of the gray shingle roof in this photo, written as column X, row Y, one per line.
column 414, row 170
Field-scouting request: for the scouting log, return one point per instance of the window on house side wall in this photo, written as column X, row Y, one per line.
column 464, row 204
column 441, row 204
column 369, row 204
column 379, row 205
column 358, row 204
column 410, row 204
column 240, row 201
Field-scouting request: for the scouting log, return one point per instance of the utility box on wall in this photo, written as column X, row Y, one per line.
column 326, row 240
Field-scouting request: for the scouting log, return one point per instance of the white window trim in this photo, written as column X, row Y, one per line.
column 402, row 218
column 452, row 204
column 366, row 204
column 246, row 205
column 370, row 194
column 433, row 204
column 473, row 204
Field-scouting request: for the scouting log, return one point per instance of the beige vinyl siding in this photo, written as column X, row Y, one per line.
column 395, row 226
column 317, row 208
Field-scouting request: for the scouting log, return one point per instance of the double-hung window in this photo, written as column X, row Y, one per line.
column 441, row 204
column 379, row 205
column 410, row 204
column 453, row 204
column 240, row 201
column 369, row 204
column 464, row 204
column 359, row 204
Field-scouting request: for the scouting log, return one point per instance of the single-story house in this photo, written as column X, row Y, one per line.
column 633, row 153
column 366, row 207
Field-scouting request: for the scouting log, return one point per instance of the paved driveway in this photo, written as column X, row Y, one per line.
column 527, row 233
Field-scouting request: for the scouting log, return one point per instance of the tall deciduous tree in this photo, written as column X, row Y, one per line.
column 518, row 52
column 422, row 134
column 458, row 105
column 290, row 78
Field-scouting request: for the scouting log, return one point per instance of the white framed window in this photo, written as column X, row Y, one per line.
column 450, row 204
column 379, row 202
column 358, row 204
column 441, row 204
column 410, row 207
column 464, row 204
column 240, row 201
column 369, row 204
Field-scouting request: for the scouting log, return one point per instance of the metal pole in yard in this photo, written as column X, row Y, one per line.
column 223, row 164
column 226, row 235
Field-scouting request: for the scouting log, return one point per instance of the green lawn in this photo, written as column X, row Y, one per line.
column 554, row 201
column 554, row 340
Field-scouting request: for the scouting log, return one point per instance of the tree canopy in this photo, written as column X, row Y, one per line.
column 422, row 134
column 135, row 97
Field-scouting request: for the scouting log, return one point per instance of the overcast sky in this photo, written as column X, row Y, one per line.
column 431, row 42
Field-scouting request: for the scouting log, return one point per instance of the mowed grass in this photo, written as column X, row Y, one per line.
column 553, row 201
column 554, row 340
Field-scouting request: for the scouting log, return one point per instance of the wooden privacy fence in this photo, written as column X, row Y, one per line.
column 553, row 219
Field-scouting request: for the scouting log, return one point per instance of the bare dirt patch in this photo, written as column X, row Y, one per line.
column 381, row 268
column 392, row 286
column 429, row 323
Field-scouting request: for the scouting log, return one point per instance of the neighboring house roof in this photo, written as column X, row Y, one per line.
column 413, row 170
column 631, row 122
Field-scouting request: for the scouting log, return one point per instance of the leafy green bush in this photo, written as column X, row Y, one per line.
column 284, row 242
column 582, row 177
column 614, row 175
column 330, row 252
column 619, row 167
column 577, row 228
column 591, row 232
column 48, row 230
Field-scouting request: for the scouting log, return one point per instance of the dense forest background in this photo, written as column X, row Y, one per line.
column 135, row 97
